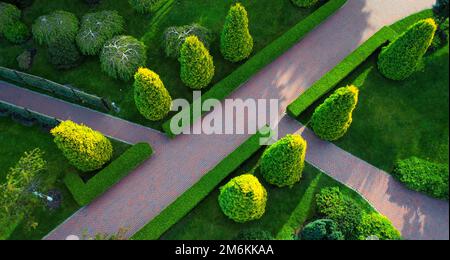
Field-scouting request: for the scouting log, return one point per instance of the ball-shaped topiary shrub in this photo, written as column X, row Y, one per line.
column 305, row 3
column 322, row 229
column 57, row 26
column 197, row 66
column 400, row 59
column 63, row 54
column 122, row 56
column 377, row 225
column 175, row 36
column 151, row 97
column 283, row 162
column 86, row 149
column 17, row 33
column 236, row 43
column 254, row 234
column 332, row 119
column 243, row 199
column 96, row 29
column 145, row 6
column 9, row 14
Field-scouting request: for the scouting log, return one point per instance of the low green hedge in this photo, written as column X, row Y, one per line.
column 341, row 71
column 264, row 57
column 186, row 202
column 84, row 193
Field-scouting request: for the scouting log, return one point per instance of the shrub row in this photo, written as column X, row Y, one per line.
column 84, row 193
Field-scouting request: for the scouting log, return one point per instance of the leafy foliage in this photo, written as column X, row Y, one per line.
column 197, row 67
column 236, row 43
column 96, row 29
column 145, row 6
column 86, row 149
column 122, row 56
column 54, row 27
column 151, row 97
column 423, row 176
column 175, row 36
column 332, row 119
column 377, row 225
column 322, row 229
column 17, row 33
column 282, row 163
column 9, row 14
column 243, row 199
column 254, row 234
column 63, row 54
column 399, row 60
column 305, row 3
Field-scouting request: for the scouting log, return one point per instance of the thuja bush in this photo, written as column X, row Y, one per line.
column 122, row 56
column 197, row 66
column 96, row 29
column 86, row 149
column 236, row 43
column 282, row 163
column 322, row 229
column 243, row 199
column 175, row 36
column 305, row 3
column 63, row 54
column 377, row 225
column 17, row 33
column 332, row 119
column 9, row 15
column 151, row 97
column 400, row 59
column 145, row 6
column 54, row 27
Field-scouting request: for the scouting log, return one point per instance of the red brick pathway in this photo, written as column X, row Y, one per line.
column 177, row 166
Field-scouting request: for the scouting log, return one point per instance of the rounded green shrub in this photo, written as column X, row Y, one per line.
column 145, row 6
column 305, row 3
column 17, row 33
column 322, row 229
column 400, row 59
column 96, row 29
column 63, row 55
column 151, row 97
column 197, row 66
column 9, row 14
column 175, row 36
column 236, row 43
column 86, row 149
column 282, row 163
column 332, row 119
column 243, row 199
column 122, row 56
column 377, row 225
column 254, row 234
column 54, row 27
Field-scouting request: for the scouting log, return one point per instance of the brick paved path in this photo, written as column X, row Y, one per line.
column 178, row 164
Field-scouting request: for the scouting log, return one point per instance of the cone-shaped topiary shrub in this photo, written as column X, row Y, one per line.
column 321, row 229
column 96, row 29
column 236, row 43
column 400, row 59
column 305, row 3
column 197, row 66
column 145, row 6
column 151, row 97
column 282, row 163
column 9, row 14
column 57, row 26
column 86, row 149
column 122, row 56
column 332, row 119
column 243, row 199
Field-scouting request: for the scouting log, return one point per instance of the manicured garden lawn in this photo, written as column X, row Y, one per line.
column 268, row 20
column 208, row 222
column 15, row 139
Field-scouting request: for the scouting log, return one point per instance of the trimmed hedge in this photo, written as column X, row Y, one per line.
column 85, row 193
column 340, row 72
column 264, row 57
column 186, row 202
column 423, row 176
column 305, row 3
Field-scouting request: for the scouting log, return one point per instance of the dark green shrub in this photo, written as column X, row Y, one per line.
column 92, row 2
column 243, row 199
column 377, row 225
column 63, row 55
column 254, row 234
column 197, row 66
column 441, row 38
column 54, row 27
column 322, row 229
column 282, row 163
column 305, row 3
column 175, row 36
column 151, row 97
column 399, row 60
column 423, row 176
column 332, row 119
column 236, row 43
column 17, row 33
column 9, row 14
column 441, row 8
column 96, row 29
column 145, row 6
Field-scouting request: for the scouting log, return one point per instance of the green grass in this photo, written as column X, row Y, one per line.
column 15, row 139
column 269, row 19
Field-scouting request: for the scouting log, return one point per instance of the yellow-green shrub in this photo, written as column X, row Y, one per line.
column 375, row 224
